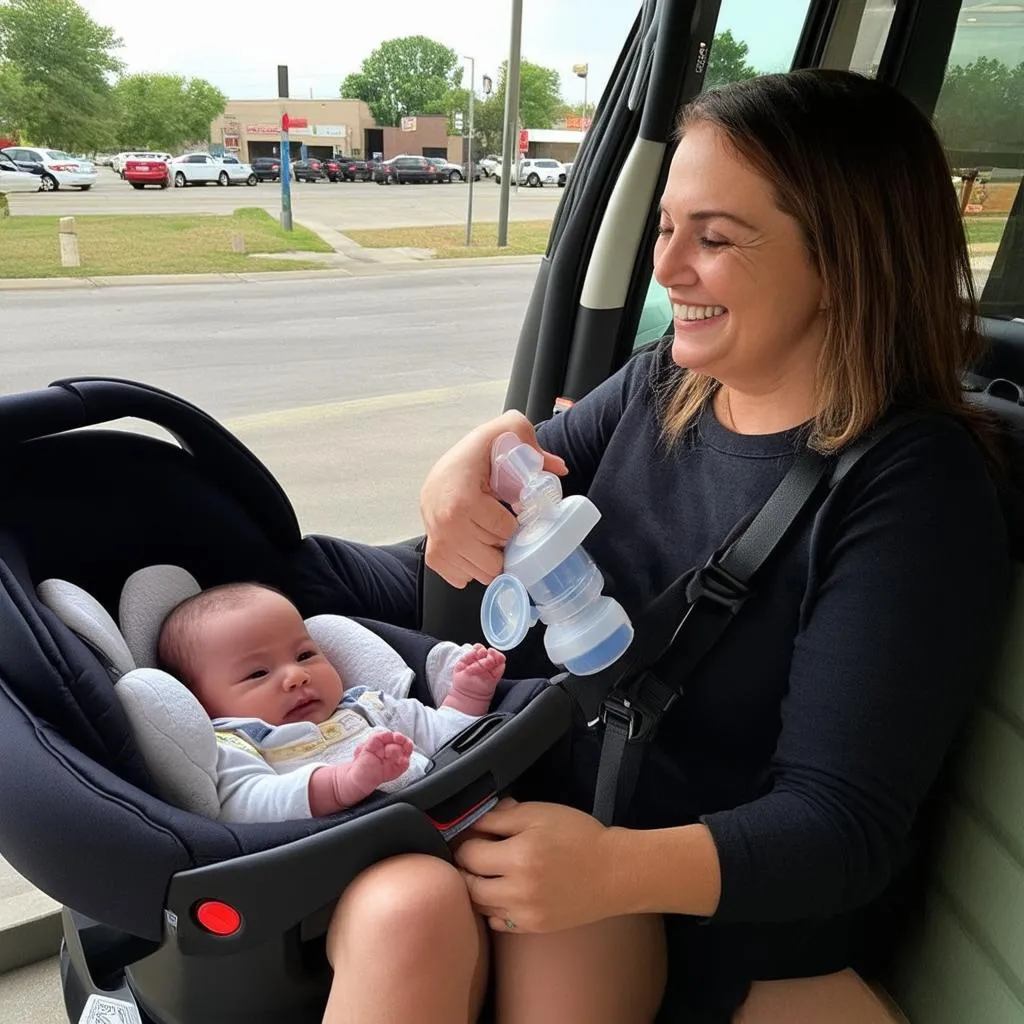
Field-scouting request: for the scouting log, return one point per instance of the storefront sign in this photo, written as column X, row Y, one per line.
column 336, row 130
column 408, row 124
column 263, row 129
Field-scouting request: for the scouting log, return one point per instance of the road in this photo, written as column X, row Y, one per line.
column 347, row 389
column 339, row 205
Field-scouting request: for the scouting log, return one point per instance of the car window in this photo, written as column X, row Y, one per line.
column 7, row 163
column 980, row 118
column 56, row 154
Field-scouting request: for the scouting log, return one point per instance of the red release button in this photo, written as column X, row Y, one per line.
column 218, row 918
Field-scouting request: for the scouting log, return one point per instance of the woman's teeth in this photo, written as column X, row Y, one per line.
column 696, row 312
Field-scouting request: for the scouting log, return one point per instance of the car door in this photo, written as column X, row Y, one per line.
column 14, row 179
column 201, row 169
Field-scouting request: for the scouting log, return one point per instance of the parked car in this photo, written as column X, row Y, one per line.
column 451, row 171
column 356, row 169
column 333, row 169
column 203, row 169
column 489, row 164
column 14, row 179
column 407, row 170
column 119, row 161
column 142, row 171
column 55, row 168
column 536, row 172
column 267, row 168
column 308, row 170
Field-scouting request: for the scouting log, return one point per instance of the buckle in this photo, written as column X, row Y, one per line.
column 640, row 708
column 621, row 709
column 718, row 585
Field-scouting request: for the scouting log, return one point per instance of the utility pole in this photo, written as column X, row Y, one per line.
column 510, row 133
column 469, row 165
column 286, row 152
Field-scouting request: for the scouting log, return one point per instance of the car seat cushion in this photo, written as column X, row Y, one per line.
column 175, row 736
column 90, row 621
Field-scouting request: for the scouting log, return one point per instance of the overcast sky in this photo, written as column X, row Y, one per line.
column 238, row 46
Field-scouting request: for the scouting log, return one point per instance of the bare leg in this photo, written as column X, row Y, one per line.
column 474, row 679
column 405, row 945
column 841, row 998
column 611, row 972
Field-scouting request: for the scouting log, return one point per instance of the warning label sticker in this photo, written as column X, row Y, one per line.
column 105, row 1010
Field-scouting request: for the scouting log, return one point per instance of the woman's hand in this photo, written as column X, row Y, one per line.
column 467, row 527
column 543, row 867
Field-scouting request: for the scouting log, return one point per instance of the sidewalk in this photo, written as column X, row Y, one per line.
column 347, row 260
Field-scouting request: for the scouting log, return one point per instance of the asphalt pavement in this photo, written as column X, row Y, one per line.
column 339, row 205
column 348, row 389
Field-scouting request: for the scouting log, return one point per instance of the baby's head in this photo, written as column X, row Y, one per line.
column 244, row 651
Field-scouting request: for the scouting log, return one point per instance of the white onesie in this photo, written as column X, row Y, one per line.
column 263, row 770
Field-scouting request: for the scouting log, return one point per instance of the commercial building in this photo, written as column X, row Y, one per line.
column 252, row 128
column 558, row 143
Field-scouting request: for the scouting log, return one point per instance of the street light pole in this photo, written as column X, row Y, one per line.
column 469, row 165
column 510, row 133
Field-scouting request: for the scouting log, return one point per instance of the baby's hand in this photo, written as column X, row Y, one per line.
column 383, row 757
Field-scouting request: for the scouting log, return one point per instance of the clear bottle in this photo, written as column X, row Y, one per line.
column 548, row 574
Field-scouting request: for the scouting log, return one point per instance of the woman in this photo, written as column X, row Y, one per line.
column 812, row 248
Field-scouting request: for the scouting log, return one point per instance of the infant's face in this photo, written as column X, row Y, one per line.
column 257, row 660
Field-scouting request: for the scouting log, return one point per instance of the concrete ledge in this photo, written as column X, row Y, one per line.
column 30, row 931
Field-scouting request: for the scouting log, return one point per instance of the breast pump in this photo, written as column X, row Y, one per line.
column 547, row 573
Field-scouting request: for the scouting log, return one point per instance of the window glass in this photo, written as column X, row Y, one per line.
column 980, row 117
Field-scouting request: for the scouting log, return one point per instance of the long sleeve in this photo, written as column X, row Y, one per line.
column 250, row 790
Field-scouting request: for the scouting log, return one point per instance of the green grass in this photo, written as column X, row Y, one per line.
column 116, row 245
column 984, row 230
column 525, row 238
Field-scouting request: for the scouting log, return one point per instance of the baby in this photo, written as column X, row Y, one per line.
column 292, row 740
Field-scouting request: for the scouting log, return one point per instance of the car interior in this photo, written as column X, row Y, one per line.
column 133, row 873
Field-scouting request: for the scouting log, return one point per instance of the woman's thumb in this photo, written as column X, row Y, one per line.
column 524, row 430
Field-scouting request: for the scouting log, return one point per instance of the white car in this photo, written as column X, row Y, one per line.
column 536, row 172
column 203, row 169
column 489, row 164
column 55, row 168
column 12, row 179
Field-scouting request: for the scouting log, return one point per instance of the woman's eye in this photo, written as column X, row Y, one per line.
column 712, row 243
column 664, row 229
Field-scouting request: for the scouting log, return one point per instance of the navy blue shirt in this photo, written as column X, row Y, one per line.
column 808, row 737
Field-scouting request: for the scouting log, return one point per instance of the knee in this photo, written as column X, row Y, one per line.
column 402, row 905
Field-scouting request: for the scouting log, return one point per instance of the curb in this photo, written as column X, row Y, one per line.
column 358, row 269
column 34, row 938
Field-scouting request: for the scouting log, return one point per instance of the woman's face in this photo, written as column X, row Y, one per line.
column 746, row 300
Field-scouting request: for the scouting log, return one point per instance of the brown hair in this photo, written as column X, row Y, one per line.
column 176, row 644
column 863, row 173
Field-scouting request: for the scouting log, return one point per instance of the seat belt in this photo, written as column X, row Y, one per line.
column 629, row 700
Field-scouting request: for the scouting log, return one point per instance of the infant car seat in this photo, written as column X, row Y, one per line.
column 174, row 918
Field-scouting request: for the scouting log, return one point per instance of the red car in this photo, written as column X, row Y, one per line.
column 140, row 173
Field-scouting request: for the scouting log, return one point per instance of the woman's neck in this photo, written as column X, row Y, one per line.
column 770, row 412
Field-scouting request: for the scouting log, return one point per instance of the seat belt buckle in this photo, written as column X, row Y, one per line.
column 619, row 709
column 639, row 710
column 718, row 585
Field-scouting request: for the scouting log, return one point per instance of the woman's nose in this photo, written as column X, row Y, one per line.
column 673, row 265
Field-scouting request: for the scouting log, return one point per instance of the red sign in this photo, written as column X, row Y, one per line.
column 287, row 123
column 262, row 129
column 524, row 141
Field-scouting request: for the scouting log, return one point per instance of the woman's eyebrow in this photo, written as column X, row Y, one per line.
column 700, row 215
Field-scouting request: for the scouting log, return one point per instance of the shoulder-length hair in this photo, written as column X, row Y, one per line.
column 863, row 173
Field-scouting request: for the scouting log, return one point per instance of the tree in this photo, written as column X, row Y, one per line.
column 64, row 60
column 728, row 61
column 540, row 104
column 979, row 109
column 17, row 100
column 404, row 77
column 165, row 111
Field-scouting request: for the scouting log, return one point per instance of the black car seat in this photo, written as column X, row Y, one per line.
column 145, row 884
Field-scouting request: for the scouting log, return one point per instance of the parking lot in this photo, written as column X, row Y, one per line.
column 339, row 205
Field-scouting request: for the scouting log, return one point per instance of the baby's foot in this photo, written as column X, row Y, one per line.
column 474, row 679
column 383, row 757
